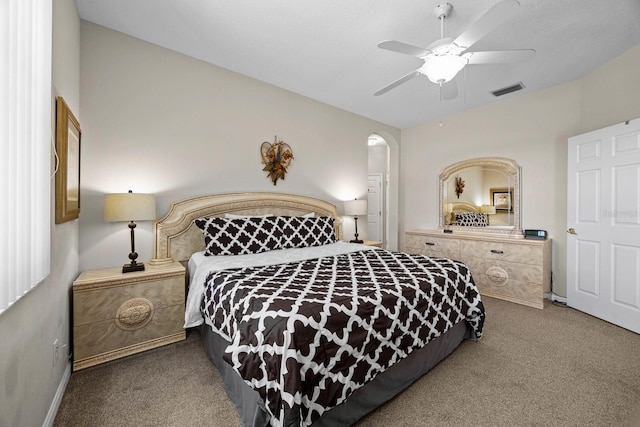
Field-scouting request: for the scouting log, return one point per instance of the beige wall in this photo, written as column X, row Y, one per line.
column 378, row 158
column 532, row 129
column 160, row 122
column 611, row 94
column 30, row 382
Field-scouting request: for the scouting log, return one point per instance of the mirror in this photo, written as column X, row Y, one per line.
column 481, row 195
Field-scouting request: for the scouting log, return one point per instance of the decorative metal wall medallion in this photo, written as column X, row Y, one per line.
column 134, row 314
column 497, row 276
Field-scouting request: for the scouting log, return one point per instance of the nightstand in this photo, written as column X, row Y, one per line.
column 116, row 314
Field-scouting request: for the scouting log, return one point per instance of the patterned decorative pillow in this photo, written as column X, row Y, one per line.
column 302, row 232
column 472, row 219
column 240, row 236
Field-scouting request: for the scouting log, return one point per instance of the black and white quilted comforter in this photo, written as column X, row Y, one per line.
column 306, row 334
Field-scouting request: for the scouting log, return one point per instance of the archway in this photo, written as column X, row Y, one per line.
column 390, row 188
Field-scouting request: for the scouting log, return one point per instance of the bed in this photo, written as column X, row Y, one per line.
column 316, row 331
column 465, row 214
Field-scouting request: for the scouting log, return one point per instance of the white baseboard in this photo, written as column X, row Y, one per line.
column 57, row 398
column 555, row 298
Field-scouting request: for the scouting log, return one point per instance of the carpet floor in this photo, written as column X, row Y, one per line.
column 551, row 367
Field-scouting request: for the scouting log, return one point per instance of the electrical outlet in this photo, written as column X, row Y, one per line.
column 56, row 352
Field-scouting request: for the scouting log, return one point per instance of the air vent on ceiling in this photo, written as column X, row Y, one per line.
column 516, row 87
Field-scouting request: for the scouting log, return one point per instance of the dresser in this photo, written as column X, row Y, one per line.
column 116, row 314
column 512, row 269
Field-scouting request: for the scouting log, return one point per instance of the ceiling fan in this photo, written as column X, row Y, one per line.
column 444, row 58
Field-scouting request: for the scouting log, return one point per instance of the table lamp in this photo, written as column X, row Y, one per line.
column 122, row 207
column 354, row 208
column 487, row 210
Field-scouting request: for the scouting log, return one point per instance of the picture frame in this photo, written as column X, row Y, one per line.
column 68, row 143
column 502, row 199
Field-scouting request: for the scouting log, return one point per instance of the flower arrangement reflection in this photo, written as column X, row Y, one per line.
column 459, row 186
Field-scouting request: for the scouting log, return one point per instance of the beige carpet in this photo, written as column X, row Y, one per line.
column 551, row 367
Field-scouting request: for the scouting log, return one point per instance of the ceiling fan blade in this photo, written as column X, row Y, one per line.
column 499, row 56
column 449, row 90
column 498, row 14
column 405, row 48
column 398, row 82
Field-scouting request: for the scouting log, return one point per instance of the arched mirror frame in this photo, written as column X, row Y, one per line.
column 506, row 166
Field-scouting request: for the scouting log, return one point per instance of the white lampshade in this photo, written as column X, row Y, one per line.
column 441, row 69
column 355, row 207
column 129, row 207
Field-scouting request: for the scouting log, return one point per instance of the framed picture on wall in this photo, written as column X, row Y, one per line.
column 502, row 199
column 68, row 137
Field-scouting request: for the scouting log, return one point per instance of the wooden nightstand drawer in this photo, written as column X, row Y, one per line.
column 108, row 336
column 103, row 303
column 116, row 314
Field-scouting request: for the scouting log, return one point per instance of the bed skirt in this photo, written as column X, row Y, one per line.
column 362, row 401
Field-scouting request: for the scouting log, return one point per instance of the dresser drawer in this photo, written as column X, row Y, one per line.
column 491, row 270
column 508, row 280
column 509, row 252
column 433, row 246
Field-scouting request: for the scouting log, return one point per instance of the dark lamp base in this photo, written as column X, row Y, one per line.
column 128, row 268
column 356, row 241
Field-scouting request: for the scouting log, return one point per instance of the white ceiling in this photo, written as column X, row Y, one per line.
column 327, row 49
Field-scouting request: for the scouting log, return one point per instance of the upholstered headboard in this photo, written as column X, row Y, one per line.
column 462, row 207
column 176, row 237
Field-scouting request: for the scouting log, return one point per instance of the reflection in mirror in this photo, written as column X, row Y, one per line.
column 481, row 194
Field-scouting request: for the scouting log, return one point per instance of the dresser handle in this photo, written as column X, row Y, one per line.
column 495, row 251
column 429, row 243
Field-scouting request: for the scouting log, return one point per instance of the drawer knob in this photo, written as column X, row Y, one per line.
column 134, row 314
column 429, row 243
column 496, row 251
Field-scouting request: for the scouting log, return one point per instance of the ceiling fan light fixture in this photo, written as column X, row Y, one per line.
column 444, row 58
column 441, row 69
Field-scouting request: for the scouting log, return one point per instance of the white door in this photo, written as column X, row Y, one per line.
column 603, row 220
column 374, row 207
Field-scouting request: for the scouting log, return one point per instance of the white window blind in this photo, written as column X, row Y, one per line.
column 25, row 158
